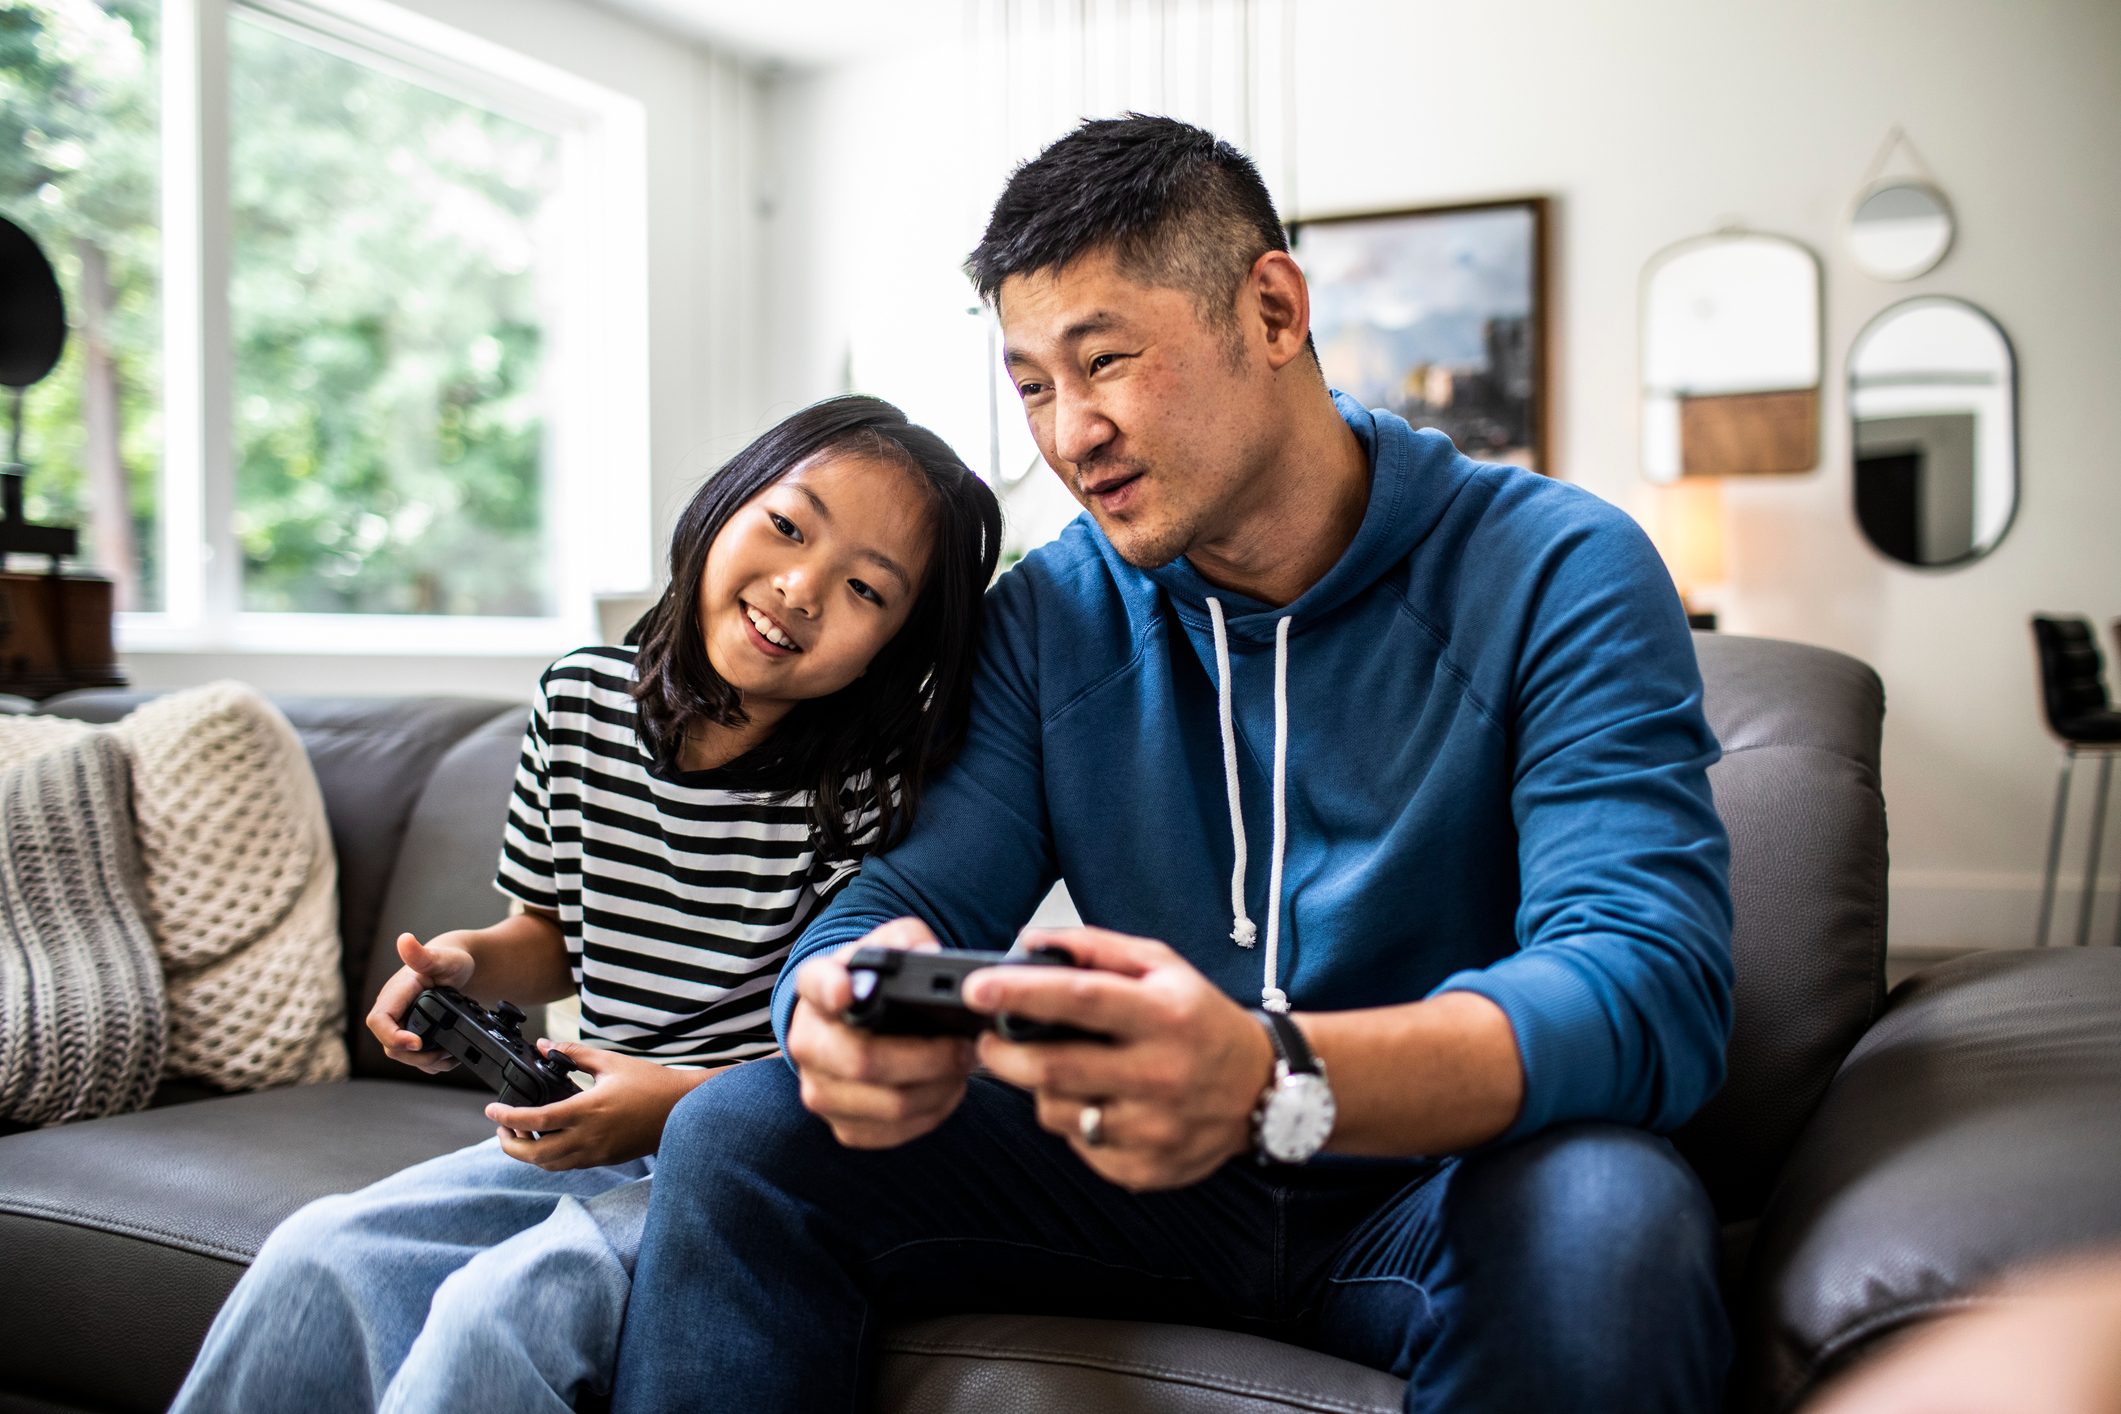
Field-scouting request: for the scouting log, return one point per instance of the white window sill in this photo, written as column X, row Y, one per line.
column 393, row 635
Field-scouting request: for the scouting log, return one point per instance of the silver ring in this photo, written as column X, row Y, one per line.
column 1090, row 1124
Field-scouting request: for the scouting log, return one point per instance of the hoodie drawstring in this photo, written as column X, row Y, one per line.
column 1242, row 930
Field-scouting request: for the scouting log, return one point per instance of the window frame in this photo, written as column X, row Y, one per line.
column 597, row 491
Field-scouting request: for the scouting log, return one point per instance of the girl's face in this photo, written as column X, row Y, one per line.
column 811, row 577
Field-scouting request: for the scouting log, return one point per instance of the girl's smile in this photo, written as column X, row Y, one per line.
column 773, row 639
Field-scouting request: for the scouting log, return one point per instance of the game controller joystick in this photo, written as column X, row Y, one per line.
column 490, row 1045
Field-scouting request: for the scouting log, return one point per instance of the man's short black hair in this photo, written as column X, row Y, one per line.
column 1177, row 206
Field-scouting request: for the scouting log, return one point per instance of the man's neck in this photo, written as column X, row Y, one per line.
column 1309, row 506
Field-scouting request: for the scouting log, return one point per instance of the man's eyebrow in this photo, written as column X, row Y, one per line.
column 890, row 565
column 1082, row 328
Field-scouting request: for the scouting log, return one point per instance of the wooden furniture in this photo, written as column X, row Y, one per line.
column 55, row 634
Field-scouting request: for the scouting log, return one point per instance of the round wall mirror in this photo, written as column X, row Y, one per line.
column 1933, row 403
column 1730, row 357
column 1900, row 230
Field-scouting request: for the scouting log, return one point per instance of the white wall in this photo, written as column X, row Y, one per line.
column 704, row 308
column 1649, row 122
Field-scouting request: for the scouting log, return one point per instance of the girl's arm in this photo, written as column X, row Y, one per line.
column 522, row 958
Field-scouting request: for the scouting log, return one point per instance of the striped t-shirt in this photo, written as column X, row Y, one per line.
column 678, row 895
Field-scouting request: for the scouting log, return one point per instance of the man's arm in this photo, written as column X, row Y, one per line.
column 1619, row 992
column 969, row 873
column 980, row 854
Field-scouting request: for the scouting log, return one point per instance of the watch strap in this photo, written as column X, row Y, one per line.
column 1289, row 1043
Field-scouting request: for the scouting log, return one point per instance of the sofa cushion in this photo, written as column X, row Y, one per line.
column 1060, row 1365
column 1798, row 791
column 242, row 889
column 124, row 1235
column 1975, row 1130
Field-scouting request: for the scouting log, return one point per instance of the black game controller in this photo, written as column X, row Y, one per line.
column 898, row 992
column 490, row 1045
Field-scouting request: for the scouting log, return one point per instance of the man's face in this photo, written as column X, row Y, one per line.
column 1149, row 414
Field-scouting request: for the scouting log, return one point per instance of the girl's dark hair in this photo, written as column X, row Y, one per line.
column 901, row 720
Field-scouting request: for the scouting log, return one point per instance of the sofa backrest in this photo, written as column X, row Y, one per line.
column 417, row 787
column 1798, row 790
column 445, row 870
column 373, row 758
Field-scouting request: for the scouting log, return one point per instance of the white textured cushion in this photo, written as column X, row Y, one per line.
column 241, row 882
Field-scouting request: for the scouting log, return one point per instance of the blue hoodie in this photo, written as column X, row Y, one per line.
column 1495, row 780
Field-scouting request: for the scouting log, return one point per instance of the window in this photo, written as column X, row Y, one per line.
column 402, row 302
column 79, row 98
column 388, row 434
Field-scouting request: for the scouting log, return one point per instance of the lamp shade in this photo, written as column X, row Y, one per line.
column 32, row 313
column 1689, row 532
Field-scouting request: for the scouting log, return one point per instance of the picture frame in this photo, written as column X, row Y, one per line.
column 1439, row 314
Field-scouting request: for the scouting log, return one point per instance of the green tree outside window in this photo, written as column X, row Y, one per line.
column 385, row 304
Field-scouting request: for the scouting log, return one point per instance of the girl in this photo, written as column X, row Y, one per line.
column 684, row 807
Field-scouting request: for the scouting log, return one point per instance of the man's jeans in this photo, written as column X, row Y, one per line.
column 1575, row 1270
column 472, row 1281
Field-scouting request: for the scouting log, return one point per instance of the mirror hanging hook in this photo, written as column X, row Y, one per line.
column 1895, row 138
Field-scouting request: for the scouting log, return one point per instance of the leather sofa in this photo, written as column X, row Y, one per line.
column 1874, row 1160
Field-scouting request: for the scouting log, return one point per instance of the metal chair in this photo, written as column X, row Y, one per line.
column 2073, row 692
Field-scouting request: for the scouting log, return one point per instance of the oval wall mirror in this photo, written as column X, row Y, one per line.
column 1730, row 357
column 1900, row 230
column 1933, row 406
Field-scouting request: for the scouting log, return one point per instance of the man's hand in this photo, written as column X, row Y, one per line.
column 445, row 962
column 876, row 1092
column 619, row 1117
column 1176, row 1085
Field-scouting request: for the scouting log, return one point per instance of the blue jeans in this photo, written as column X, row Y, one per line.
column 472, row 1281
column 1572, row 1270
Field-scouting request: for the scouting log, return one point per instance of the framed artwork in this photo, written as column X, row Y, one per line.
column 1440, row 315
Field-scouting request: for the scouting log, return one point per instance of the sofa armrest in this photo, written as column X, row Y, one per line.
column 1970, row 1133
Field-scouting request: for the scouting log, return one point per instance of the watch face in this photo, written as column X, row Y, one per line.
column 1297, row 1119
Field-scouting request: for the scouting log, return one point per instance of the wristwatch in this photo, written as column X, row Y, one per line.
column 1296, row 1110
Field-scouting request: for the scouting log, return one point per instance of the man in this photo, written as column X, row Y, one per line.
column 1345, row 743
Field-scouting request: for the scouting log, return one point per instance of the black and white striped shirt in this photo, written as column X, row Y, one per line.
column 678, row 896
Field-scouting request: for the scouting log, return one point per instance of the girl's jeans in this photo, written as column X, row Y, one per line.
column 472, row 1281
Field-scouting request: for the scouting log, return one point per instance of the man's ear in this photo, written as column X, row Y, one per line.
column 1284, row 305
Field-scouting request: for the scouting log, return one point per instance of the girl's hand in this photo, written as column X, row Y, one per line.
column 619, row 1117
column 445, row 962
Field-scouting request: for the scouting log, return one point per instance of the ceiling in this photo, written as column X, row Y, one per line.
column 798, row 33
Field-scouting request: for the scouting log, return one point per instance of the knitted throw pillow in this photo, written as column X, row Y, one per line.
column 241, row 883
column 82, row 1027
